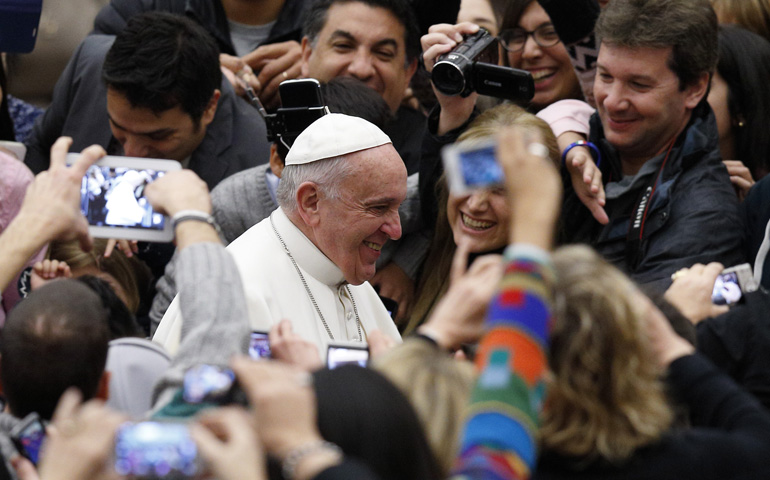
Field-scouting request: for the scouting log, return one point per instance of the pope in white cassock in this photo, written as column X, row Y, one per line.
column 309, row 262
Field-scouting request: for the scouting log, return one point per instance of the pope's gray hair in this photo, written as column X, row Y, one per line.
column 327, row 174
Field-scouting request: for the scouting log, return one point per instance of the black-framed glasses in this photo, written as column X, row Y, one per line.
column 514, row 39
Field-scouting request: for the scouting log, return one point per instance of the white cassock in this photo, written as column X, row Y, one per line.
column 274, row 290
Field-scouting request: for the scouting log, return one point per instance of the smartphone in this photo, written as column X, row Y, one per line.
column 155, row 450
column 732, row 283
column 112, row 198
column 470, row 167
column 208, row 383
column 259, row 345
column 338, row 355
column 28, row 437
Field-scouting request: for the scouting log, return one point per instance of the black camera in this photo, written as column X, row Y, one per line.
column 472, row 67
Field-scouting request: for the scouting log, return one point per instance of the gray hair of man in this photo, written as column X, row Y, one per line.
column 327, row 174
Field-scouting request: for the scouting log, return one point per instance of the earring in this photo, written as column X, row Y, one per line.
column 741, row 124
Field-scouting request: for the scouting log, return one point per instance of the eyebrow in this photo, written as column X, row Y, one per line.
column 161, row 131
column 644, row 78
column 349, row 36
column 381, row 201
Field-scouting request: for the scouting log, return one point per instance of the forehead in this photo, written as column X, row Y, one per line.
column 122, row 112
column 367, row 24
column 533, row 16
column 377, row 172
column 652, row 62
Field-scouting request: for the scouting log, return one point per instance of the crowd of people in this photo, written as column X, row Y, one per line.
column 333, row 304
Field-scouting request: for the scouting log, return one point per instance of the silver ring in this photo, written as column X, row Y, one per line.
column 538, row 149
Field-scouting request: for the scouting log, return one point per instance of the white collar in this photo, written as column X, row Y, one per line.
column 305, row 253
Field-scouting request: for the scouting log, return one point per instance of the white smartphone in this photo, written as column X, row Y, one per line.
column 472, row 167
column 112, row 198
column 339, row 354
column 732, row 283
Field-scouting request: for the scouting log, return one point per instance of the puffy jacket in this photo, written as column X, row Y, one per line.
column 693, row 214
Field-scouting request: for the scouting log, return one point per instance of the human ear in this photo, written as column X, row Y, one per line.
column 697, row 90
column 307, row 50
column 276, row 164
column 307, row 199
column 211, row 109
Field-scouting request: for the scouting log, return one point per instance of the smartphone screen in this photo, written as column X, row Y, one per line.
column 480, row 168
column 29, row 438
column 727, row 289
column 114, row 197
column 259, row 345
column 207, row 383
column 472, row 167
column 155, row 450
column 337, row 356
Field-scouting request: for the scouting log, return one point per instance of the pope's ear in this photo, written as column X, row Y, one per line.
column 307, row 203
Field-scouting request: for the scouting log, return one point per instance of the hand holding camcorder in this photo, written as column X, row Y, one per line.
column 472, row 67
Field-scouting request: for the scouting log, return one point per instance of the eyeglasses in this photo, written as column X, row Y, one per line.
column 514, row 39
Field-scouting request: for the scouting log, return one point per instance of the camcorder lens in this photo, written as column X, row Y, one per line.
column 448, row 79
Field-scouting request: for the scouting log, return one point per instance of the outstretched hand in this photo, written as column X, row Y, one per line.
column 459, row 316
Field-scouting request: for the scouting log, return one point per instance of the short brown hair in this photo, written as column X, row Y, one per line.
column 688, row 26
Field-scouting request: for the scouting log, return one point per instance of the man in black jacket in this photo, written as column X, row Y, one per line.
column 668, row 196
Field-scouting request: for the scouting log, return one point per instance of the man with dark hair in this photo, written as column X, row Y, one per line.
column 669, row 200
column 155, row 90
column 377, row 42
column 55, row 339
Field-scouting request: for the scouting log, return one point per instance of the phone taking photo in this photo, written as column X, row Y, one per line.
column 732, row 283
column 155, row 450
column 470, row 167
column 259, row 345
column 112, row 198
column 338, row 355
column 28, row 437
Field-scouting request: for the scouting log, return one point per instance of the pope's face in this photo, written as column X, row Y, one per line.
column 353, row 228
column 363, row 42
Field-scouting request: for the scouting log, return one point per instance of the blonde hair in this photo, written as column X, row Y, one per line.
column 607, row 398
column 131, row 273
column 753, row 15
column 438, row 387
column 435, row 276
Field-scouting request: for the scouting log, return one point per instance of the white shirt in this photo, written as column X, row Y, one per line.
column 274, row 290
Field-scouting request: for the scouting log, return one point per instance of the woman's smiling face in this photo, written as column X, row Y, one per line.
column 481, row 217
column 550, row 66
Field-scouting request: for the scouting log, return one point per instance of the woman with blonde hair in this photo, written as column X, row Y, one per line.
column 481, row 217
column 614, row 358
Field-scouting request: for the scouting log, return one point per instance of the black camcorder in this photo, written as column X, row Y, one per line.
column 472, row 67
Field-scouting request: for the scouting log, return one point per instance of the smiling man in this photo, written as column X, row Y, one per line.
column 311, row 259
column 156, row 91
column 376, row 42
column 668, row 196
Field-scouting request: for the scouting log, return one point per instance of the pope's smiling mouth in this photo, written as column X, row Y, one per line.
column 373, row 246
column 475, row 224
